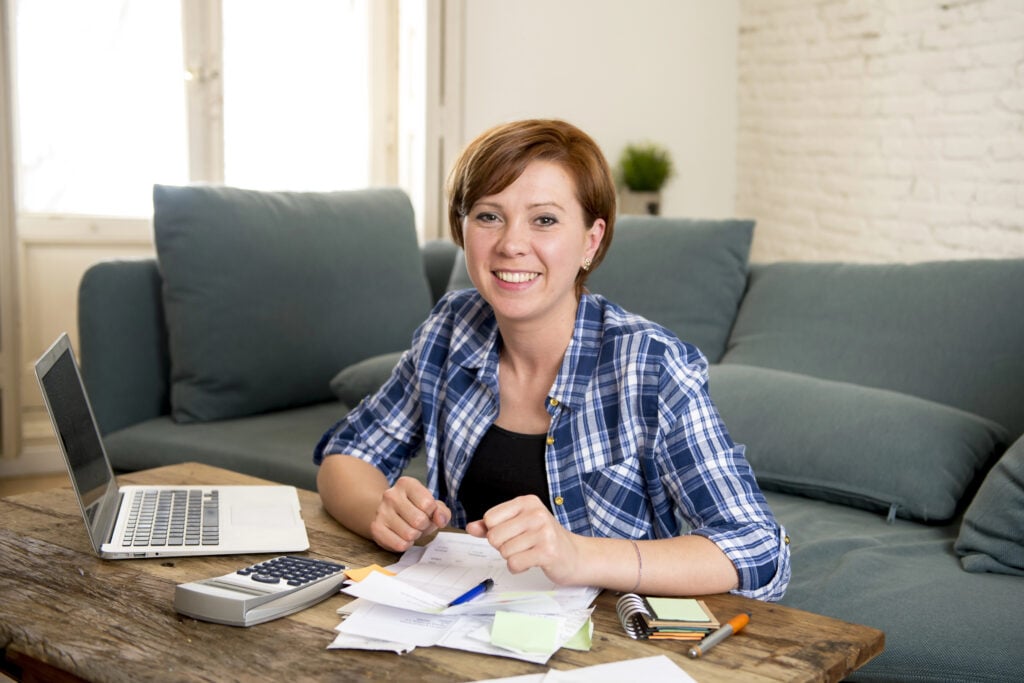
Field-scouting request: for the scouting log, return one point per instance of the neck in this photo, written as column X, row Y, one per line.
column 536, row 347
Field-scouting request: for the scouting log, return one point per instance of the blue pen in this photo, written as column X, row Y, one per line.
column 476, row 590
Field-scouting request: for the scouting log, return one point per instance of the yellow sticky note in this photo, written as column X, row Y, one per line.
column 524, row 632
column 583, row 640
column 360, row 574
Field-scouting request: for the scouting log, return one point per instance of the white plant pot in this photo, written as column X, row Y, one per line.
column 640, row 203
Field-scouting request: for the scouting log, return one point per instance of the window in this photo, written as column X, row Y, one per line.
column 109, row 102
column 100, row 106
column 296, row 94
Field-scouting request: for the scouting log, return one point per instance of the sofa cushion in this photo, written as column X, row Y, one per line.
column 277, row 447
column 940, row 622
column 688, row 275
column 944, row 331
column 992, row 532
column 361, row 379
column 267, row 294
column 854, row 445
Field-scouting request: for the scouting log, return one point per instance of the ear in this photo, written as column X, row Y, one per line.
column 593, row 237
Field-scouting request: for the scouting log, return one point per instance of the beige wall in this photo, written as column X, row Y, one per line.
column 658, row 70
column 53, row 254
column 882, row 131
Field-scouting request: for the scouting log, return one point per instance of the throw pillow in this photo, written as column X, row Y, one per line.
column 853, row 445
column 267, row 294
column 688, row 275
column 361, row 379
column 992, row 532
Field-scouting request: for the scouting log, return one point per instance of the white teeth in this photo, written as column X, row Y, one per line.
column 514, row 277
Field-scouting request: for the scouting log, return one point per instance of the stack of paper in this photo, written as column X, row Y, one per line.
column 525, row 616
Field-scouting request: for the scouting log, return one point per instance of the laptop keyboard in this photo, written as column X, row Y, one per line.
column 172, row 517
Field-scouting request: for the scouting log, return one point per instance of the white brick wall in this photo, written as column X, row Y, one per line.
column 881, row 130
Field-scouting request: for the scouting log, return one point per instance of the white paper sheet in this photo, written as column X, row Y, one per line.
column 410, row 610
column 658, row 668
column 452, row 564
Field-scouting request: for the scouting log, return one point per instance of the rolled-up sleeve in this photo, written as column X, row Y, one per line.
column 384, row 429
column 714, row 487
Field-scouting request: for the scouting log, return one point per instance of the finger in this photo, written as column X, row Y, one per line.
column 442, row 515
column 502, row 512
column 412, row 503
column 387, row 538
column 390, row 523
column 477, row 528
column 513, row 518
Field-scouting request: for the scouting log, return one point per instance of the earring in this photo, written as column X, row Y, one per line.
column 586, row 264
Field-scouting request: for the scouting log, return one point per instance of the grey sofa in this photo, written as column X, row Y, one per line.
column 253, row 298
column 882, row 406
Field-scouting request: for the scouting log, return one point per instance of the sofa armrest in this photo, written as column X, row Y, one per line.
column 123, row 342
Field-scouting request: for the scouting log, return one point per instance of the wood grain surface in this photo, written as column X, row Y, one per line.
column 62, row 609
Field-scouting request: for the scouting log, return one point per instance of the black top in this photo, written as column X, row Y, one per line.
column 504, row 466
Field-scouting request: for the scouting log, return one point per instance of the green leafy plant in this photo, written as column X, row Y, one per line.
column 645, row 167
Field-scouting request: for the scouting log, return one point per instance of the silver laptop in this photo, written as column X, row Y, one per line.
column 157, row 521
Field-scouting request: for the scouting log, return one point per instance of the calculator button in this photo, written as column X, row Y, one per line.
column 265, row 578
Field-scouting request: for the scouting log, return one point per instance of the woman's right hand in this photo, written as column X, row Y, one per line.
column 407, row 511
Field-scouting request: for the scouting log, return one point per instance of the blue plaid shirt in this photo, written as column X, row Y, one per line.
column 636, row 449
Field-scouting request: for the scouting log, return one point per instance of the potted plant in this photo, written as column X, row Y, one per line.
column 644, row 168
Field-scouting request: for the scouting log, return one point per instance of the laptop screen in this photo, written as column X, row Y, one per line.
column 72, row 420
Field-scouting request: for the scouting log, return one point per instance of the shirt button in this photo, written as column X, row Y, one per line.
column 559, row 500
column 551, row 441
column 553, row 402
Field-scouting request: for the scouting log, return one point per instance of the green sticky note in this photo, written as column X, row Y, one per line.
column 524, row 632
column 583, row 638
column 677, row 609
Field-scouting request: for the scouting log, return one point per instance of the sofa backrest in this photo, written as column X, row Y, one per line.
column 685, row 274
column 950, row 332
column 123, row 341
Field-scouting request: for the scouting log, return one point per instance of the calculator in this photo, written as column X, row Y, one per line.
column 261, row 592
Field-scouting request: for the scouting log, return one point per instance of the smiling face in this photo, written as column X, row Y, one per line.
column 526, row 244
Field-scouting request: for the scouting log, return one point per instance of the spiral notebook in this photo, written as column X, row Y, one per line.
column 664, row 618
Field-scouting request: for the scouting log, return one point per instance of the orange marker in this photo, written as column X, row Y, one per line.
column 734, row 625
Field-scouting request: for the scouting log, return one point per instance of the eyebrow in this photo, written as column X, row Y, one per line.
column 542, row 204
column 535, row 205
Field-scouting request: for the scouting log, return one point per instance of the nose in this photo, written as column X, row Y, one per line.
column 515, row 238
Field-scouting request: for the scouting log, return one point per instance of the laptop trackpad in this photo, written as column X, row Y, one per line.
column 270, row 516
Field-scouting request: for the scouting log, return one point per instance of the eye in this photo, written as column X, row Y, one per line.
column 546, row 220
column 486, row 217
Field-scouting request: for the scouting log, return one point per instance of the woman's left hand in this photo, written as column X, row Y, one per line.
column 527, row 535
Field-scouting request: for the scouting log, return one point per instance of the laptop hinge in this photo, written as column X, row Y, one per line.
column 113, row 527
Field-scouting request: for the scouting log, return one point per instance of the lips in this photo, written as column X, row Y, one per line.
column 515, row 277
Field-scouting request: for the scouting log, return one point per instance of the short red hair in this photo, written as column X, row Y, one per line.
column 497, row 157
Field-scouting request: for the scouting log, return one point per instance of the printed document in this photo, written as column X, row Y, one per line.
column 411, row 609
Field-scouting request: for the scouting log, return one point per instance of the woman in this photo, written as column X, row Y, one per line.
column 574, row 436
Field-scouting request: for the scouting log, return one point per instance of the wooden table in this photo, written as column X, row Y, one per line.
column 65, row 614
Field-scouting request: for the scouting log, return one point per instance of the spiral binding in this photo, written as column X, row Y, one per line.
column 630, row 608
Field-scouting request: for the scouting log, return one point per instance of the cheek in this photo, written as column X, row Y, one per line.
column 475, row 250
